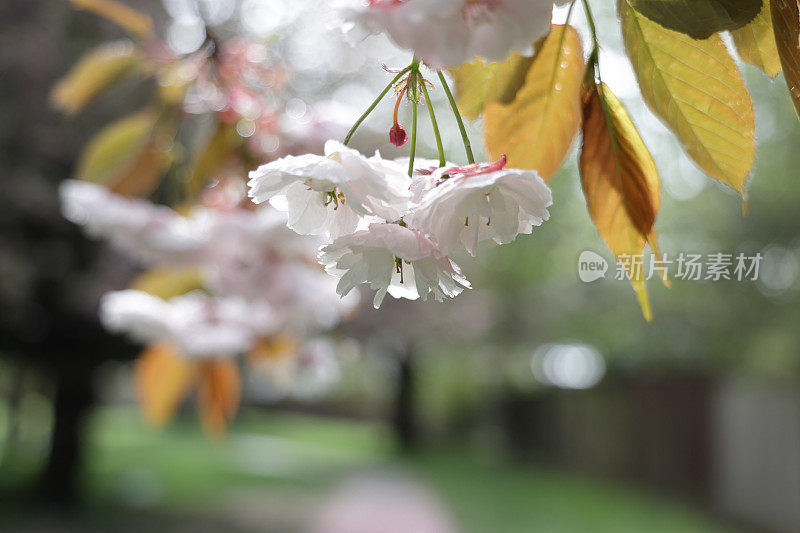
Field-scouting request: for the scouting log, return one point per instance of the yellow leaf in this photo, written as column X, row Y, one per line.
column 270, row 348
column 172, row 83
column 537, row 128
column 94, row 72
column 479, row 83
column 786, row 21
column 218, row 394
column 696, row 89
column 167, row 283
column 620, row 181
column 115, row 148
column 135, row 22
column 162, row 379
column 756, row 43
column 213, row 156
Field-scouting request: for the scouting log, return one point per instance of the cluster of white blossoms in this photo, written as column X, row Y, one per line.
column 394, row 232
column 446, row 33
column 196, row 324
column 259, row 279
column 392, row 224
column 396, row 229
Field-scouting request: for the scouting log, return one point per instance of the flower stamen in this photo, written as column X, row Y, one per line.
column 398, row 264
column 333, row 197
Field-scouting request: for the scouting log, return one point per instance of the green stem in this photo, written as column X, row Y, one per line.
column 454, row 107
column 413, row 138
column 569, row 12
column 434, row 124
column 593, row 64
column 590, row 19
column 375, row 103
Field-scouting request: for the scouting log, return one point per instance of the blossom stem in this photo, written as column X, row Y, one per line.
column 590, row 19
column 435, row 125
column 397, row 104
column 413, row 138
column 375, row 103
column 454, row 107
column 592, row 74
column 569, row 11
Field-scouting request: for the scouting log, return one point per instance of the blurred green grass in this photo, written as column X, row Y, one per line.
column 274, row 467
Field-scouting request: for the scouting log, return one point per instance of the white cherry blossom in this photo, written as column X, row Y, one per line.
column 465, row 205
column 305, row 295
column 331, row 194
column 154, row 233
column 197, row 324
column 446, row 33
column 422, row 178
column 243, row 253
column 394, row 259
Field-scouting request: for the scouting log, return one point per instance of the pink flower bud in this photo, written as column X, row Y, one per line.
column 397, row 135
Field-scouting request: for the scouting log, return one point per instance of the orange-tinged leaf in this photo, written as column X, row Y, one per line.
column 480, row 83
column 695, row 87
column 218, row 394
column 213, row 155
column 167, row 282
column 135, row 22
column 756, row 43
column 536, row 129
column 786, row 22
column 143, row 173
column 619, row 175
column 162, row 379
column 620, row 181
column 93, row 73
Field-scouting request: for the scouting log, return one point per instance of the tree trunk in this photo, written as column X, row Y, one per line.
column 73, row 397
column 404, row 419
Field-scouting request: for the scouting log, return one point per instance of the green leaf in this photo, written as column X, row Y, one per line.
column 756, row 43
column 696, row 89
column 699, row 18
column 93, row 73
column 786, row 21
